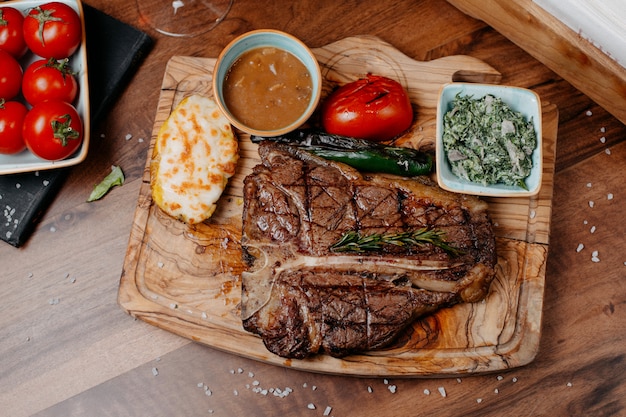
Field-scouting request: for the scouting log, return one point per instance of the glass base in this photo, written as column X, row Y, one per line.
column 183, row 18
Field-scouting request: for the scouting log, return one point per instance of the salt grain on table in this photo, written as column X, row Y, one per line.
column 580, row 247
column 442, row 391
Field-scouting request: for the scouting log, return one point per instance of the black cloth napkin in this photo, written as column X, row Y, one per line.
column 114, row 51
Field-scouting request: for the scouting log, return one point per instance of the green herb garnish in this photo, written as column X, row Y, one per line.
column 116, row 177
column 487, row 142
column 353, row 241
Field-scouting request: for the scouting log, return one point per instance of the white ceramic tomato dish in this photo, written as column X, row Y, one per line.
column 25, row 161
column 519, row 100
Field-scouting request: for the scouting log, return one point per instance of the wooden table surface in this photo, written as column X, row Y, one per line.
column 67, row 349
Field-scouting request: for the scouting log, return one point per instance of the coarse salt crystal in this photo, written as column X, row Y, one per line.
column 588, row 185
column 588, row 113
column 45, row 183
column 235, row 392
column 160, row 264
column 200, row 384
column 426, row 391
column 327, row 410
column 607, row 151
column 155, row 371
column 500, row 378
column 442, row 391
column 514, row 379
column 496, row 391
column 609, row 196
column 310, row 406
column 128, row 136
column 385, row 381
column 580, row 247
column 479, row 400
column 533, row 213
column 392, row 389
column 593, row 229
column 18, row 185
column 370, row 390
column 591, row 203
column 603, row 129
column 458, row 380
column 602, row 139
column 177, row 4
column 569, row 384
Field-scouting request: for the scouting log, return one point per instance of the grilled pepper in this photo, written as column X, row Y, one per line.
column 361, row 154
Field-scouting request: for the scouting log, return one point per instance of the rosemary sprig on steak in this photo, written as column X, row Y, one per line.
column 353, row 241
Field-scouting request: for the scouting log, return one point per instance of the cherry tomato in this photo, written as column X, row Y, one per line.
column 10, row 76
column 375, row 108
column 49, row 79
column 12, row 115
column 53, row 130
column 52, row 30
column 11, row 35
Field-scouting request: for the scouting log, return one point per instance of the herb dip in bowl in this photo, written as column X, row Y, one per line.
column 489, row 140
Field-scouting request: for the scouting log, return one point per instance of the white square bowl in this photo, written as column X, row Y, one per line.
column 26, row 161
column 521, row 100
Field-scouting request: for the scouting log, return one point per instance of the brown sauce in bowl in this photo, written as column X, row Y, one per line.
column 267, row 88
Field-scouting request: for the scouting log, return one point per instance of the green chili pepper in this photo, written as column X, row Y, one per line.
column 361, row 154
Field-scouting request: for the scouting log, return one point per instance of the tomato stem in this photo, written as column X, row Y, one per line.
column 63, row 66
column 62, row 130
column 42, row 17
column 3, row 21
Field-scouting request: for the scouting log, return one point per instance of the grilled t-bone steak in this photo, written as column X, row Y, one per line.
column 303, row 298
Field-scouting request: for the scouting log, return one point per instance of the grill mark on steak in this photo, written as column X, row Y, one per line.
column 302, row 299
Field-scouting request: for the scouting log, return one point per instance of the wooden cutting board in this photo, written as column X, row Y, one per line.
column 186, row 279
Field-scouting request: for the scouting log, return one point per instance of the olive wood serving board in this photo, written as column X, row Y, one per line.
column 186, row 279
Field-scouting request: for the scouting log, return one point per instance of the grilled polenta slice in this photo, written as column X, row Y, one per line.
column 194, row 155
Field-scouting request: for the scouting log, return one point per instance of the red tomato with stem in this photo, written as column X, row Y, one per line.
column 375, row 108
column 10, row 76
column 53, row 130
column 49, row 79
column 12, row 114
column 53, row 30
column 11, row 34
